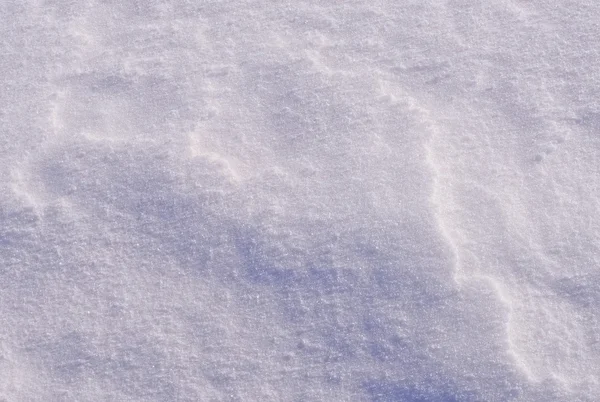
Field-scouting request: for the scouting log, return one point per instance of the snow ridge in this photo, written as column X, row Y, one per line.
column 466, row 265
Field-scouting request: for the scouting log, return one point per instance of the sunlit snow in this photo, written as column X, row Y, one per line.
column 301, row 200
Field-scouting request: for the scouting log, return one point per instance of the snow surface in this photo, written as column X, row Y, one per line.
column 299, row 200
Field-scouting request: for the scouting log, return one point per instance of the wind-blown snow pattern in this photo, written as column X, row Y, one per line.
column 299, row 200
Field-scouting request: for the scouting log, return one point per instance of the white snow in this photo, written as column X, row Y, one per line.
column 299, row 200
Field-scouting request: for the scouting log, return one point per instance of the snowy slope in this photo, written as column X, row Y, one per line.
column 299, row 200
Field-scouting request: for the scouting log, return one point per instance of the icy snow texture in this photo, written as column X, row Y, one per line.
column 299, row 200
